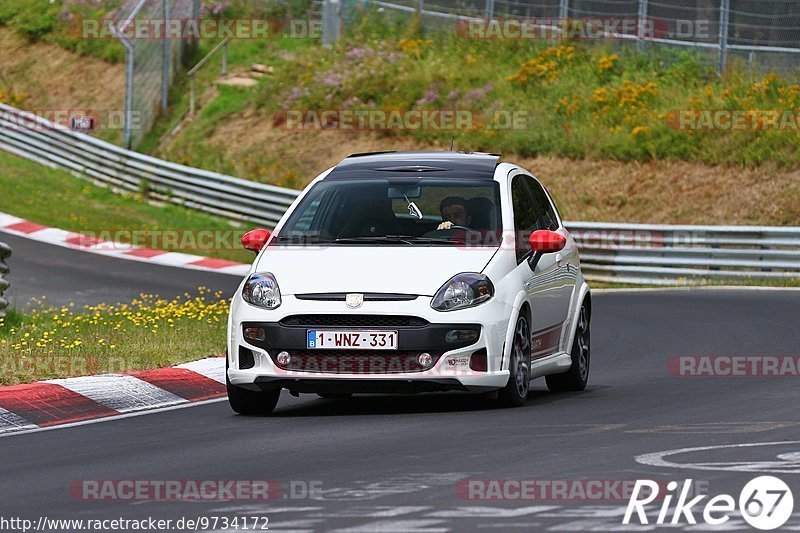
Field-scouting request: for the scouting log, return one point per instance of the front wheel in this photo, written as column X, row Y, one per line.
column 577, row 376
column 249, row 402
column 515, row 393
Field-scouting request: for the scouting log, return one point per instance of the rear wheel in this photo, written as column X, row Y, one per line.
column 249, row 402
column 577, row 376
column 515, row 393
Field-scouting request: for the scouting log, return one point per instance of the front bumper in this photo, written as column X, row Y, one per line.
column 450, row 370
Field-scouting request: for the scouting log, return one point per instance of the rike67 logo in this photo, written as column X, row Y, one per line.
column 765, row 503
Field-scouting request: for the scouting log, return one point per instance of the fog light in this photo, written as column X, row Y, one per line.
column 425, row 359
column 284, row 358
column 461, row 335
column 254, row 334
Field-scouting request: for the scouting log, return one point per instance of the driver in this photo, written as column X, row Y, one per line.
column 454, row 212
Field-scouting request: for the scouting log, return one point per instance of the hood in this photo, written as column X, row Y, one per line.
column 419, row 270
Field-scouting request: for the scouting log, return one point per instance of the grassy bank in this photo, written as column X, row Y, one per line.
column 579, row 99
column 60, row 23
column 55, row 198
column 149, row 332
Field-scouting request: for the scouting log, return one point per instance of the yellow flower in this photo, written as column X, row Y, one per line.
column 606, row 63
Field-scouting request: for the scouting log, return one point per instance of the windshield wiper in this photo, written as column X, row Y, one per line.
column 378, row 239
column 303, row 239
column 429, row 240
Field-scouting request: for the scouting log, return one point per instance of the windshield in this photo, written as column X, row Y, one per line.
column 403, row 211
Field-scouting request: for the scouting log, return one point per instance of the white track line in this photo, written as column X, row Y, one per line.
column 113, row 417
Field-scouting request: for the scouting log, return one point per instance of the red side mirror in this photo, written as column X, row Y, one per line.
column 255, row 239
column 547, row 241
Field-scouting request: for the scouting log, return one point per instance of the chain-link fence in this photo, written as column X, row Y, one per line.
column 764, row 33
column 151, row 61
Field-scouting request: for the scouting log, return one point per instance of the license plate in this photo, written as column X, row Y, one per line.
column 352, row 340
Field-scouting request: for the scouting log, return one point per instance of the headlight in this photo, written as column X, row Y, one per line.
column 262, row 290
column 462, row 291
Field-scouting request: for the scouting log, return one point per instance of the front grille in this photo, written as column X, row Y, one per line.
column 348, row 362
column 354, row 321
column 368, row 297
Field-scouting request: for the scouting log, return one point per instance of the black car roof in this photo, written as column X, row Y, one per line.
column 472, row 165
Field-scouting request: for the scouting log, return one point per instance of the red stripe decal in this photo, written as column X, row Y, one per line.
column 545, row 341
column 183, row 383
column 46, row 404
column 25, row 227
column 210, row 262
column 145, row 252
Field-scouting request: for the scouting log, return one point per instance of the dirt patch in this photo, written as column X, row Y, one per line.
column 56, row 79
column 655, row 192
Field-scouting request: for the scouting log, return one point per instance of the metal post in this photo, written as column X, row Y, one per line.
column 563, row 10
column 489, row 9
column 192, row 95
column 640, row 34
column 330, row 22
column 166, row 60
column 130, row 54
column 724, row 19
column 225, row 60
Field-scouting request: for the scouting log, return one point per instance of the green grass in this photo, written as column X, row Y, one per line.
column 148, row 332
column 55, row 198
column 577, row 99
column 47, row 21
column 580, row 99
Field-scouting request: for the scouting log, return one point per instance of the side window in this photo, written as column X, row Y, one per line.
column 524, row 215
column 548, row 218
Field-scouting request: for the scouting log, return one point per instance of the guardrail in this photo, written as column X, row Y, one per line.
column 55, row 145
column 624, row 253
column 668, row 255
column 5, row 253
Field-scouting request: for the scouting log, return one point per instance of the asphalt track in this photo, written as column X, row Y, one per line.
column 67, row 275
column 392, row 463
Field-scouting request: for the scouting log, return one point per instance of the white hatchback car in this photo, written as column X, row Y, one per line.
column 404, row 272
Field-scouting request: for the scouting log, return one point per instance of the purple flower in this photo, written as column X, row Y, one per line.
column 350, row 102
column 476, row 95
column 332, row 79
column 430, row 97
column 296, row 94
column 452, row 95
column 358, row 54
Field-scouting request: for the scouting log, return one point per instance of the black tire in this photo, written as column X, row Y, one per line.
column 515, row 393
column 576, row 378
column 249, row 402
column 335, row 395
